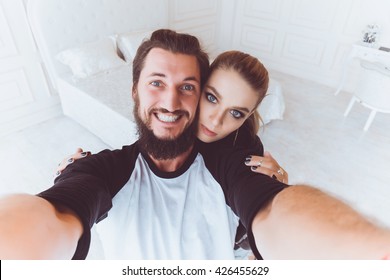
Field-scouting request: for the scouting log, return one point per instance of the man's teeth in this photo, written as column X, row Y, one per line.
column 167, row 118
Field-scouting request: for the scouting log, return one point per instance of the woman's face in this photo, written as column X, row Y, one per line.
column 226, row 102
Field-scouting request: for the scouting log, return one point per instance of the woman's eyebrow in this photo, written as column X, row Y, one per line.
column 213, row 89
column 242, row 109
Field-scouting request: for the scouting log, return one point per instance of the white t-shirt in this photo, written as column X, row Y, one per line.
column 169, row 218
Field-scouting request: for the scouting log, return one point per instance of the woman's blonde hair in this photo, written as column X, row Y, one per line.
column 253, row 72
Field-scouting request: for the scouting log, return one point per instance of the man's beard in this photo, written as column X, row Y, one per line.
column 163, row 149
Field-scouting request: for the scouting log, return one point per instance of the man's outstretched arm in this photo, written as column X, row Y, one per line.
column 32, row 228
column 302, row 222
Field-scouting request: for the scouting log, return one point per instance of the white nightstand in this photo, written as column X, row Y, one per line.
column 373, row 88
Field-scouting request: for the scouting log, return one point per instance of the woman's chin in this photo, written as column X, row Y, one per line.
column 203, row 139
column 208, row 139
column 206, row 135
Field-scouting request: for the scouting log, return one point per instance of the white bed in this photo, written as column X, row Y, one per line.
column 101, row 102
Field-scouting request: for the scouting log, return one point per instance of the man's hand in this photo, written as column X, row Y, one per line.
column 32, row 228
column 305, row 223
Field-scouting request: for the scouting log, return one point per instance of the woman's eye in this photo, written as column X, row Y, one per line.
column 211, row 98
column 236, row 114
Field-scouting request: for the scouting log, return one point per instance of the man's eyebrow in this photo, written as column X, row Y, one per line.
column 220, row 97
column 192, row 78
column 157, row 74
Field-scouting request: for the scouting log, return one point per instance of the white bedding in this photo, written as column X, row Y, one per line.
column 112, row 88
column 272, row 107
column 101, row 103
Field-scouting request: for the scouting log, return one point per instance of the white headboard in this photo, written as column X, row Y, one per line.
column 61, row 24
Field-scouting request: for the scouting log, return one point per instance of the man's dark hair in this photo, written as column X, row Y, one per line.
column 174, row 42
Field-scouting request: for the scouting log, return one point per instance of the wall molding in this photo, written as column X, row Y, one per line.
column 7, row 45
column 200, row 18
column 187, row 10
column 29, row 114
column 304, row 38
column 257, row 38
column 14, row 88
column 25, row 98
column 303, row 49
column 264, row 9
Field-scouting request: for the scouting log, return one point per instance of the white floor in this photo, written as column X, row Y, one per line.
column 319, row 146
column 29, row 157
column 314, row 143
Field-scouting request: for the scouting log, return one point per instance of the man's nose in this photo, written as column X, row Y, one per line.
column 171, row 100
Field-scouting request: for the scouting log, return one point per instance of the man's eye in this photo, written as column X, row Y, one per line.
column 188, row 87
column 156, row 83
column 211, row 98
column 236, row 114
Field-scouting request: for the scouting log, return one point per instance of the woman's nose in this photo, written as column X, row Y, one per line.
column 216, row 118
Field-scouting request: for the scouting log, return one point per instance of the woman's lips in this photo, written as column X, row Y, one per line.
column 208, row 132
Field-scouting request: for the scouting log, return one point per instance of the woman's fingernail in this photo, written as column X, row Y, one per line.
column 253, row 168
column 85, row 154
column 248, row 159
column 70, row 160
column 58, row 173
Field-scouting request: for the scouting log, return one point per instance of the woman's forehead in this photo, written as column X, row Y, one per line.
column 232, row 88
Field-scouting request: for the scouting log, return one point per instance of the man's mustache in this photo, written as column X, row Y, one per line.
column 165, row 111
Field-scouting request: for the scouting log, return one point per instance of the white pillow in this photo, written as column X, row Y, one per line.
column 91, row 58
column 128, row 43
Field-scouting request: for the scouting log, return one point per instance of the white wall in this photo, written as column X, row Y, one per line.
column 25, row 98
column 200, row 18
column 304, row 38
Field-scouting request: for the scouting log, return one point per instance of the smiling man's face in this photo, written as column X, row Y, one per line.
column 167, row 97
